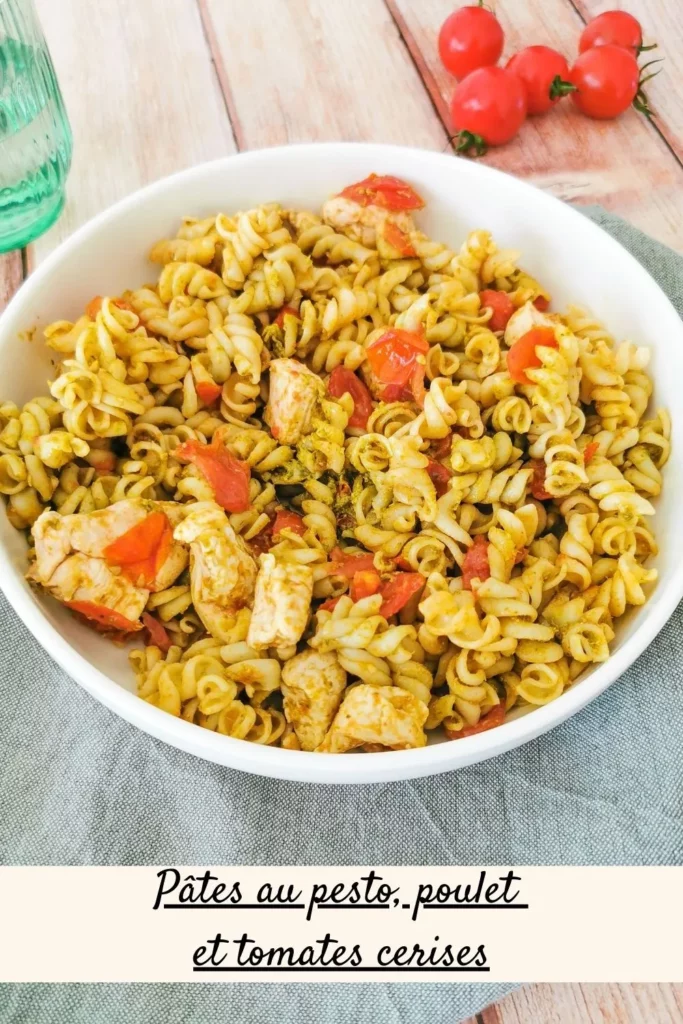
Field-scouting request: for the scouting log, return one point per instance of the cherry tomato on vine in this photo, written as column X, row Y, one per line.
column 607, row 81
column 470, row 38
column 617, row 27
column 487, row 109
column 545, row 74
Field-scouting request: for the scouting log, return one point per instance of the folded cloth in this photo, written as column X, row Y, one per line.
column 81, row 786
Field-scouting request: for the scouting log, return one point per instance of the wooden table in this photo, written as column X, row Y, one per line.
column 153, row 86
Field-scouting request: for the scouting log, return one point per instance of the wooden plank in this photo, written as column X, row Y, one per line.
column 311, row 70
column 662, row 22
column 623, row 164
column 11, row 275
column 589, row 1004
column 142, row 98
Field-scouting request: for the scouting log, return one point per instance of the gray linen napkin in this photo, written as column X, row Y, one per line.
column 80, row 786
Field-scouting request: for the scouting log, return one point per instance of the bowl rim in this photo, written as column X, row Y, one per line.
column 303, row 766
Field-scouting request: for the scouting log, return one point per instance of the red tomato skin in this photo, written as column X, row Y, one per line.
column 537, row 484
column 286, row 311
column 157, row 635
column 208, row 392
column 440, row 476
column 493, row 718
column 348, row 565
column 103, row 616
column 502, row 306
column 398, row 239
column 606, row 79
column 613, row 27
column 522, row 356
column 541, row 303
column 490, row 103
column 286, row 520
column 228, row 477
column 398, row 591
column 141, row 551
column 476, row 563
column 537, row 67
column 590, row 451
column 470, row 38
column 343, row 381
column 384, row 190
column 393, row 356
column 364, row 584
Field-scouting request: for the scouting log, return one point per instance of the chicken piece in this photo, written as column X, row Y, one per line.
column 312, row 687
column 222, row 571
column 383, row 715
column 525, row 319
column 91, row 533
column 361, row 223
column 294, row 392
column 282, row 603
column 92, row 588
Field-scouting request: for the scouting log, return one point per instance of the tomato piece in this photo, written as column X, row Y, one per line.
column 590, row 451
column 398, row 239
column 364, row 584
column 617, row 27
column 329, row 605
column 286, row 311
column 487, row 109
column 494, row 718
column 348, row 565
column 541, row 303
column 607, row 81
column 286, row 520
column 399, row 590
column 384, row 190
column 544, row 73
column 470, row 38
column 441, row 449
column 440, row 476
column 208, row 391
column 141, row 551
column 476, row 563
column 537, row 484
column 522, row 356
column 501, row 305
column 343, row 381
column 262, row 542
column 157, row 634
column 228, row 477
column 103, row 616
column 393, row 356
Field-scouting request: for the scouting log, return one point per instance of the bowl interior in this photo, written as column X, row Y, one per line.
column 573, row 258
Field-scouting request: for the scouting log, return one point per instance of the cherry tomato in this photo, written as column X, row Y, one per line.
column 157, row 635
column 537, row 483
column 522, row 356
column 286, row 520
column 476, row 563
column 103, row 616
column 228, row 477
column 141, row 551
column 384, row 190
column 495, row 717
column 441, row 449
column 347, row 565
column 208, row 391
column 399, row 590
column 364, row 584
column 329, row 605
column 544, row 73
column 343, row 381
column 501, row 305
column 541, row 303
column 487, row 109
column 470, row 38
column 397, row 239
column 393, row 359
column 618, row 28
column 286, row 311
column 439, row 475
column 607, row 81
column 590, row 451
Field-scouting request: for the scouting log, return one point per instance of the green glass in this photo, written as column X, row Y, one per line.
column 35, row 137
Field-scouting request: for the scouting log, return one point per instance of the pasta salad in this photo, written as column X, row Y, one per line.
column 343, row 484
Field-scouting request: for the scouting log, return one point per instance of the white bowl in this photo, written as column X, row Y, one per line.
column 574, row 258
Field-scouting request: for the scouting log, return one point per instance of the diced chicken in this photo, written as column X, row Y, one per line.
column 361, row 223
column 281, row 604
column 525, row 319
column 294, row 392
column 312, row 688
column 80, row 580
column 91, row 533
column 222, row 571
column 386, row 716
